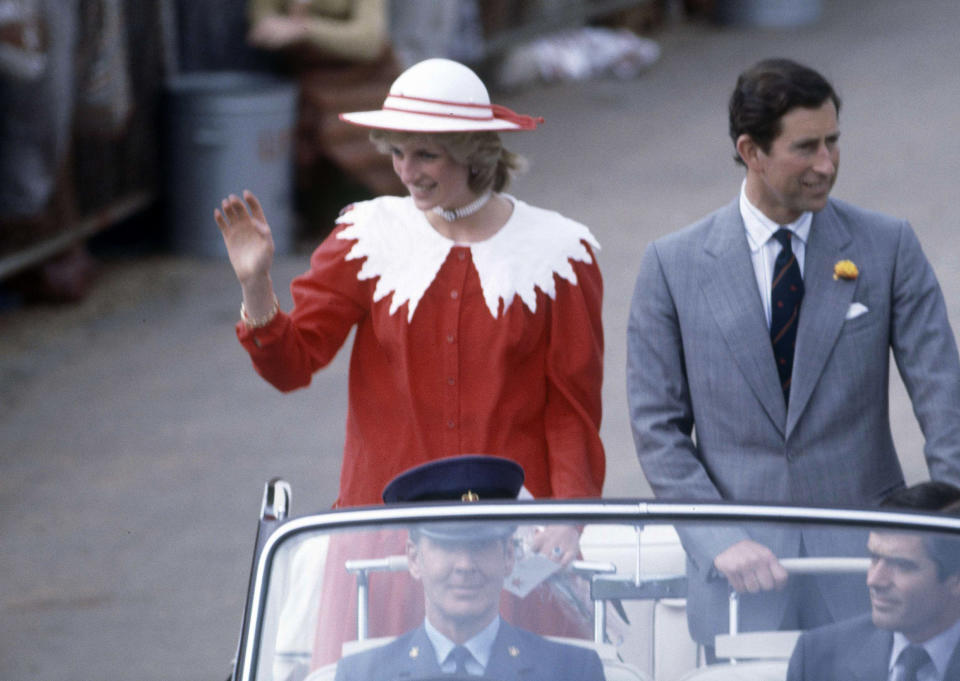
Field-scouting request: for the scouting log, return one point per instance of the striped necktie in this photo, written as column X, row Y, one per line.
column 786, row 294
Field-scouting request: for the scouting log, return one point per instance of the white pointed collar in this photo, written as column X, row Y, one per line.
column 405, row 252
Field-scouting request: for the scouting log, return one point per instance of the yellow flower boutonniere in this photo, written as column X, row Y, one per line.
column 845, row 269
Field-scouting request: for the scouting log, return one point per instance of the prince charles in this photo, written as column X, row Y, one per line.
column 766, row 329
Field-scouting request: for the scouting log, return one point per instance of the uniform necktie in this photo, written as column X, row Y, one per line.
column 786, row 294
column 911, row 659
column 460, row 655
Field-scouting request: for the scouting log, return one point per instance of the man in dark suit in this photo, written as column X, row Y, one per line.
column 913, row 631
column 767, row 328
column 462, row 569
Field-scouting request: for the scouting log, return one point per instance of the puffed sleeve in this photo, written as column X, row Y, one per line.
column 574, row 382
column 328, row 300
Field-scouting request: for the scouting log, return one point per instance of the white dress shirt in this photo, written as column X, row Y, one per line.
column 939, row 648
column 479, row 647
column 764, row 249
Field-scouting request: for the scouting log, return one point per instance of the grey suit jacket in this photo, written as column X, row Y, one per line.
column 517, row 655
column 700, row 360
column 854, row 650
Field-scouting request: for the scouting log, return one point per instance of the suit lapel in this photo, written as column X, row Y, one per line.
column 825, row 304
column 953, row 666
column 728, row 282
column 869, row 663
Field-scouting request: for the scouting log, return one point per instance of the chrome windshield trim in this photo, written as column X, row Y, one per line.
column 721, row 511
column 580, row 511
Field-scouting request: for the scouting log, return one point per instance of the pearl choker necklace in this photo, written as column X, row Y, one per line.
column 463, row 211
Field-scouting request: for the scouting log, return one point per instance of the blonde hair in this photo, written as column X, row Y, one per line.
column 491, row 164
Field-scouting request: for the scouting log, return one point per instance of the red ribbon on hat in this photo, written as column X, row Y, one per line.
column 522, row 121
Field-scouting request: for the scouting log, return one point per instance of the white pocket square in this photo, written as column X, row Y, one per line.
column 855, row 310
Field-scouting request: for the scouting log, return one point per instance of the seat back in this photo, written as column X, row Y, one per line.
column 658, row 641
column 769, row 670
column 614, row 669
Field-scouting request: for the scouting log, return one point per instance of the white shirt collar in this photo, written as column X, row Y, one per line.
column 480, row 646
column 404, row 252
column 940, row 648
column 760, row 228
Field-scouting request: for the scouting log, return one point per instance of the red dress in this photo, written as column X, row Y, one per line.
column 494, row 347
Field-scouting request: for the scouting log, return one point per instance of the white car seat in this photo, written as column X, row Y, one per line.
column 766, row 670
column 658, row 641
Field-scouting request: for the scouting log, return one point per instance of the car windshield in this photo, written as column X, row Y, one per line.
column 388, row 598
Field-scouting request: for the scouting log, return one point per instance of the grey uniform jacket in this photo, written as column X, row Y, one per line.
column 699, row 357
column 517, row 655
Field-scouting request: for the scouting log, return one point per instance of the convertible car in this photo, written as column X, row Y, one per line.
column 359, row 594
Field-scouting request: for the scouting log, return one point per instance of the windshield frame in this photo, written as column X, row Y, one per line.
column 624, row 511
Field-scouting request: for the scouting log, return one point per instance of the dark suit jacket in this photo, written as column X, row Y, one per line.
column 854, row 650
column 517, row 655
column 699, row 357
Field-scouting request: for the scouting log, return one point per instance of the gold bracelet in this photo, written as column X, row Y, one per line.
column 260, row 321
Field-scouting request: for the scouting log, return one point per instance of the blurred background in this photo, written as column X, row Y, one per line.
column 135, row 438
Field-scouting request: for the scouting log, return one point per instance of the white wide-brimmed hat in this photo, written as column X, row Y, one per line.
column 440, row 95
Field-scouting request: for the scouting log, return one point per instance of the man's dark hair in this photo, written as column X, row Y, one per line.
column 768, row 90
column 932, row 495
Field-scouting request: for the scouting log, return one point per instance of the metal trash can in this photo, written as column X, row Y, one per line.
column 228, row 131
column 767, row 13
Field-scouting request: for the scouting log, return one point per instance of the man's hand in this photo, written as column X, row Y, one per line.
column 277, row 32
column 751, row 567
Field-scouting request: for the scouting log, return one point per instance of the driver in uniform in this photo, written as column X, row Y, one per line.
column 462, row 568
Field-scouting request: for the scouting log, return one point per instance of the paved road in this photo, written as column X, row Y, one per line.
column 135, row 438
